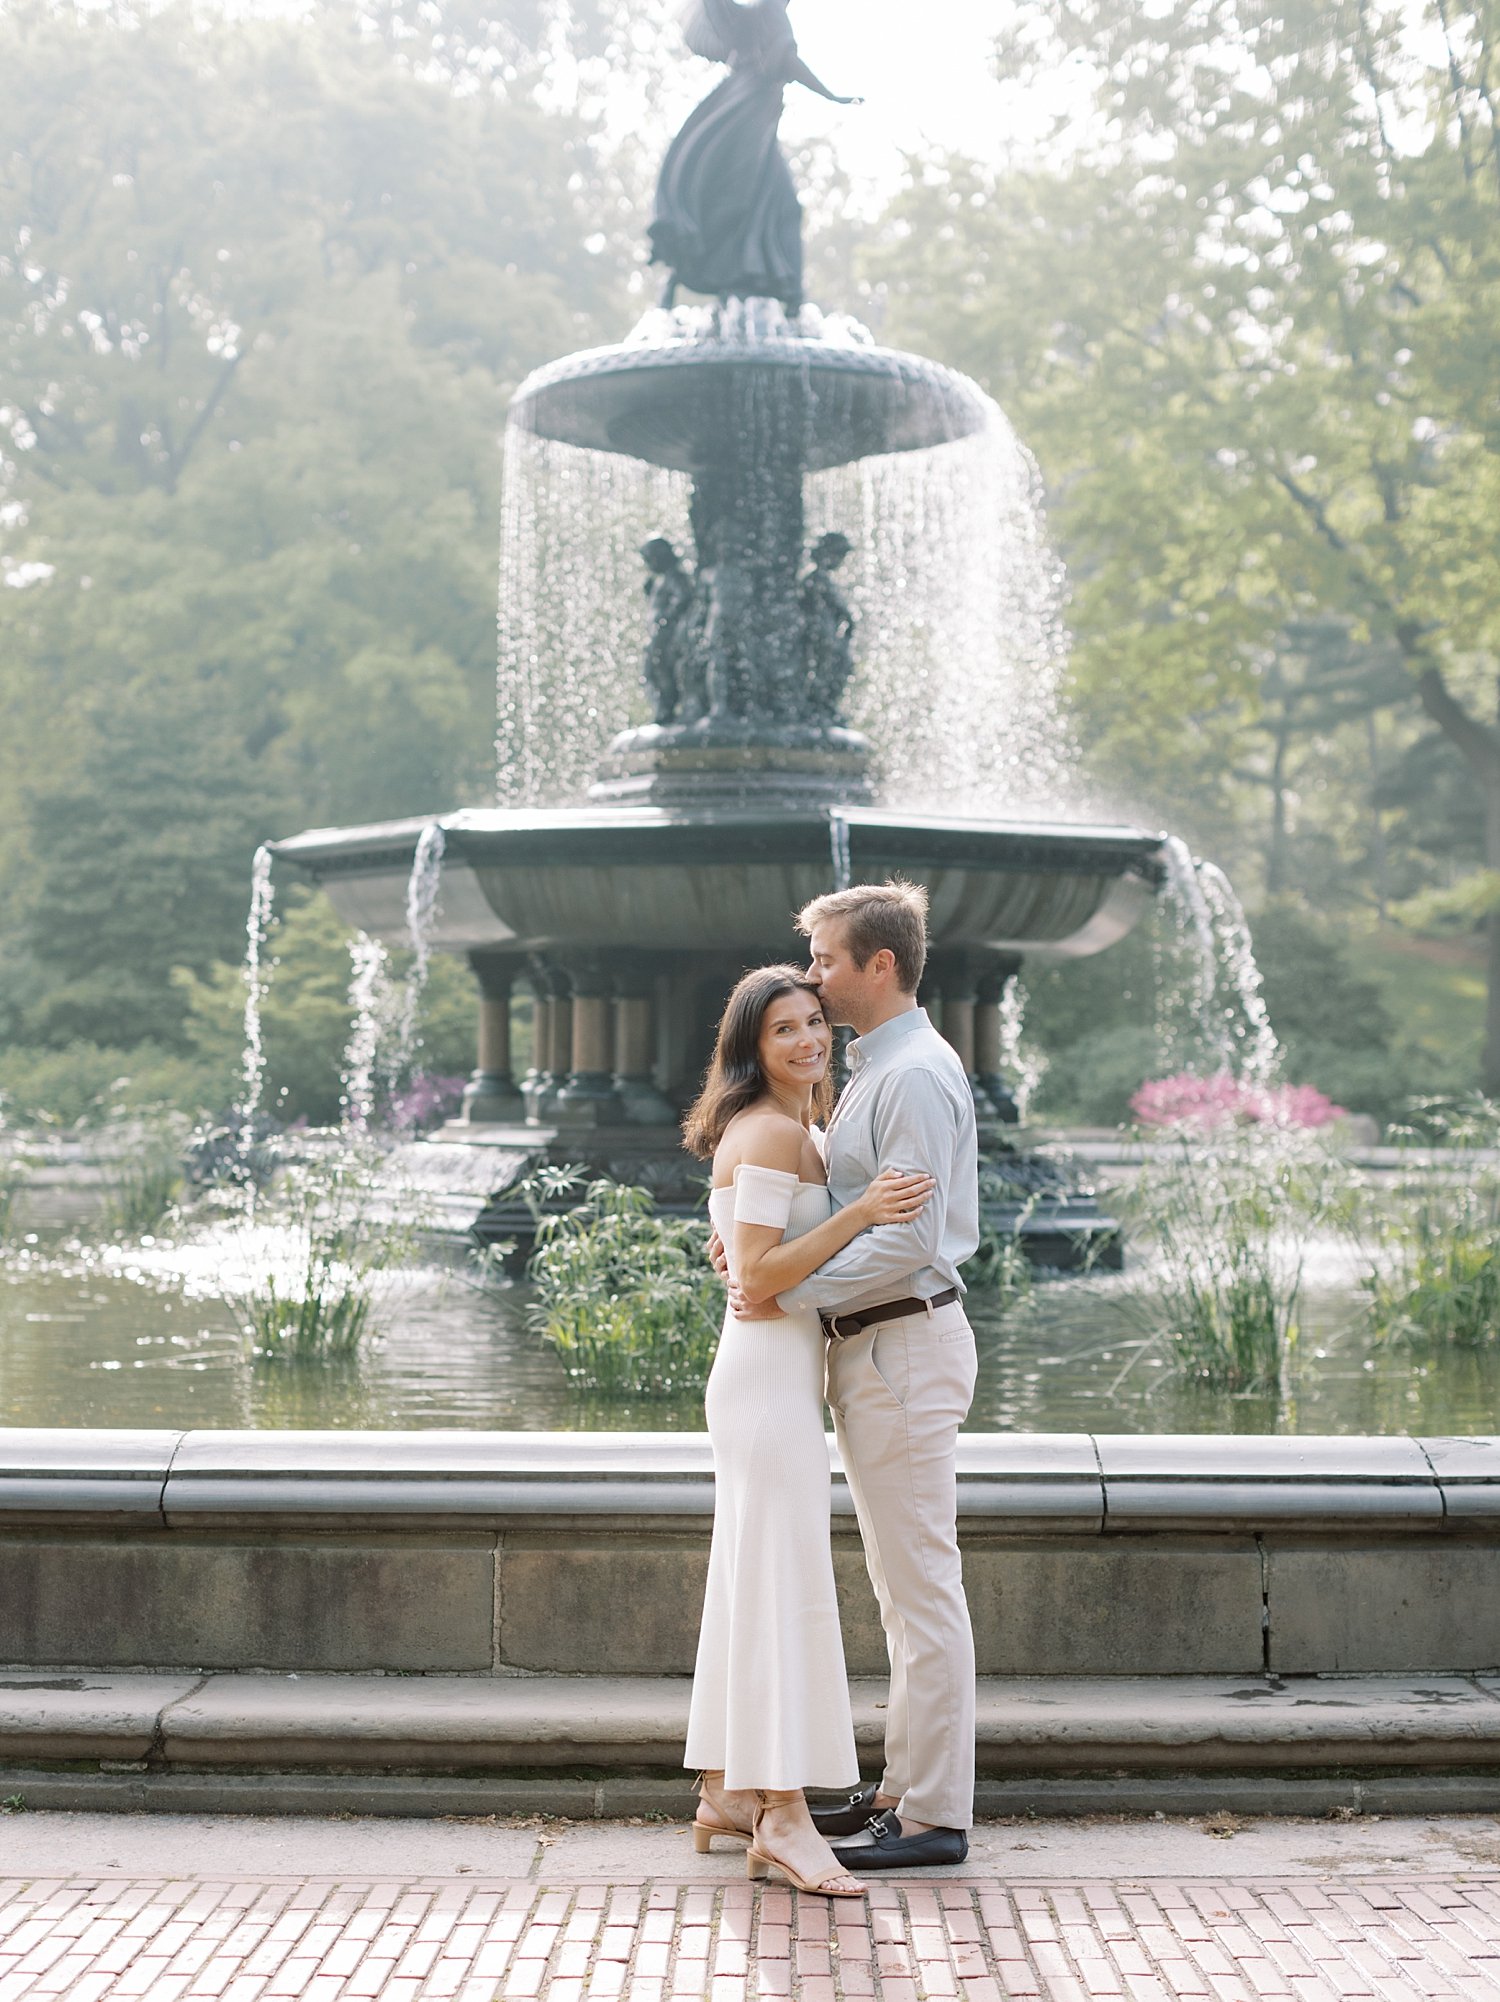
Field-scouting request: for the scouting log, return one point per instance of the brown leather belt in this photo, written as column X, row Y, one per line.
column 839, row 1327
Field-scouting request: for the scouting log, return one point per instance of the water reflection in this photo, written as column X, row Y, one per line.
column 85, row 1340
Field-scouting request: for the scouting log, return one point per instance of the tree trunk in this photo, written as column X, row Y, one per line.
column 1479, row 743
column 1276, row 860
column 1489, row 1063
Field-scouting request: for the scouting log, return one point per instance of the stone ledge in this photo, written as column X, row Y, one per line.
column 588, row 1726
column 1036, row 1484
column 665, row 1797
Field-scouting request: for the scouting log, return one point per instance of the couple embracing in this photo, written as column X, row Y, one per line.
column 842, row 1234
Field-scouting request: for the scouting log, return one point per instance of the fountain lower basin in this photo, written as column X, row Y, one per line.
column 729, row 878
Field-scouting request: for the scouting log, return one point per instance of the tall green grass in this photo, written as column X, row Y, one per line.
column 334, row 1215
column 1228, row 1218
column 625, row 1296
column 142, row 1157
column 1436, row 1274
column 13, row 1179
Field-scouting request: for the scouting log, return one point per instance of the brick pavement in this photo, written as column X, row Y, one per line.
column 970, row 1939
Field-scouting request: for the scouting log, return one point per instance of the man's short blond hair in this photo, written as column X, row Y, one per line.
column 875, row 916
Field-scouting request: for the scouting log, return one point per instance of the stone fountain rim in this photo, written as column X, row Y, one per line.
column 470, row 830
column 569, row 400
column 793, row 351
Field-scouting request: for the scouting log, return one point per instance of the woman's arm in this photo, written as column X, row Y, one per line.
column 800, row 73
column 766, row 1262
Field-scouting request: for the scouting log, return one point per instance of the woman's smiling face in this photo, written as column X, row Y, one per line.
column 795, row 1041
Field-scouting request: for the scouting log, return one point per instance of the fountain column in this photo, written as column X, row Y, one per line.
column 956, row 977
column 551, row 1038
column 492, row 1097
column 635, row 1041
column 988, row 1040
column 588, row 1098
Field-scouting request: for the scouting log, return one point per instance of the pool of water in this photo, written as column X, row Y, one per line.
column 147, row 1337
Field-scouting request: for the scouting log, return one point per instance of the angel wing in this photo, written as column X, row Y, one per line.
column 718, row 29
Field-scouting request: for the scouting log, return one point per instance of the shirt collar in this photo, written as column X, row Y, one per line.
column 876, row 1042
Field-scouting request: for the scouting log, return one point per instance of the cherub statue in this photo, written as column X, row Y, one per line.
column 727, row 220
column 827, row 630
column 669, row 592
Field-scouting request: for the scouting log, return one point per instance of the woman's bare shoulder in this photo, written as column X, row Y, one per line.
column 760, row 1138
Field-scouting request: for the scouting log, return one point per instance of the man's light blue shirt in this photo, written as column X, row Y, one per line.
column 907, row 1105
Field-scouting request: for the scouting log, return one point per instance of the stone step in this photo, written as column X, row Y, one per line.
column 587, row 1745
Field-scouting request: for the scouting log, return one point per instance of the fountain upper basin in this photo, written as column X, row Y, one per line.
column 675, row 403
column 731, row 877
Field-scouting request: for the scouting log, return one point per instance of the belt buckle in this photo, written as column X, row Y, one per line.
column 834, row 1332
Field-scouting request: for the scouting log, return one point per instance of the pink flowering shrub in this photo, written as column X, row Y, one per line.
column 424, row 1102
column 1222, row 1100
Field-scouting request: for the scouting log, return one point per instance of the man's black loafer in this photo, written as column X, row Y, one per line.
column 891, row 1850
column 845, row 1817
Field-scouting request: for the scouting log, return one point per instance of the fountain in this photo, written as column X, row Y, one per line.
column 680, row 766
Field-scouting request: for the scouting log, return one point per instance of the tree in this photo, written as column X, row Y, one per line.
column 140, row 867
column 1253, row 329
column 266, row 289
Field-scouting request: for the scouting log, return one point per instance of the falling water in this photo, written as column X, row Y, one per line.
column 838, row 842
column 1258, row 1050
column 1022, row 1064
column 383, row 1036
column 421, row 915
column 959, row 640
column 369, row 997
column 1228, row 1027
column 257, row 926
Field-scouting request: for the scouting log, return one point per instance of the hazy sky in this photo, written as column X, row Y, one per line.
column 924, row 74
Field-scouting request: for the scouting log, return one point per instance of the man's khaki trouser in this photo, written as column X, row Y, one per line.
column 899, row 1392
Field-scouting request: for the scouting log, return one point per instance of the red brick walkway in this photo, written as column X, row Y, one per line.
column 974, row 1939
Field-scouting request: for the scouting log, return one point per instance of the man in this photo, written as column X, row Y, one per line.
column 901, row 1364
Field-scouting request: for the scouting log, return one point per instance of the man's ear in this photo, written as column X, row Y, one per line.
column 884, row 962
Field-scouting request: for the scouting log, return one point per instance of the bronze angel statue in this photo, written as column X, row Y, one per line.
column 727, row 219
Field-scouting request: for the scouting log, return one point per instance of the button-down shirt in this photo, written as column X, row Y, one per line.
column 907, row 1105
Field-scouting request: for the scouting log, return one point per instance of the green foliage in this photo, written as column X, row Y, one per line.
column 999, row 1267
column 13, row 1179
column 1245, row 312
column 147, row 1185
column 305, row 1017
column 279, row 282
column 626, row 1297
column 333, row 1220
column 1337, row 1019
column 1091, row 1082
column 1436, row 1280
column 1228, row 1218
column 86, row 1085
column 140, row 866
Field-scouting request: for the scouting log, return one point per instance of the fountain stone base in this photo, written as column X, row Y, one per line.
column 687, row 765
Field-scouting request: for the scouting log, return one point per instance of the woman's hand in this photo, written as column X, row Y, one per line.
column 894, row 1197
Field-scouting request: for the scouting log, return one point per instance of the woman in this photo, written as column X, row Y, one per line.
column 770, row 1708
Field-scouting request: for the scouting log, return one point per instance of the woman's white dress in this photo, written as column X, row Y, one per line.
column 770, row 1695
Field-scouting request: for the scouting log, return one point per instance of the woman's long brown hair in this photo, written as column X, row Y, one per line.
column 735, row 1078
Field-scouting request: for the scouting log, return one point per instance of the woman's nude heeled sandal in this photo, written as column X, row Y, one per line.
column 759, row 1862
column 705, row 1831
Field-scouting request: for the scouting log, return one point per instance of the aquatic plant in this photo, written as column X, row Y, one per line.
column 625, row 1295
column 1229, row 1218
column 143, row 1159
column 1000, row 1268
column 13, row 1179
column 1436, row 1275
column 341, row 1230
